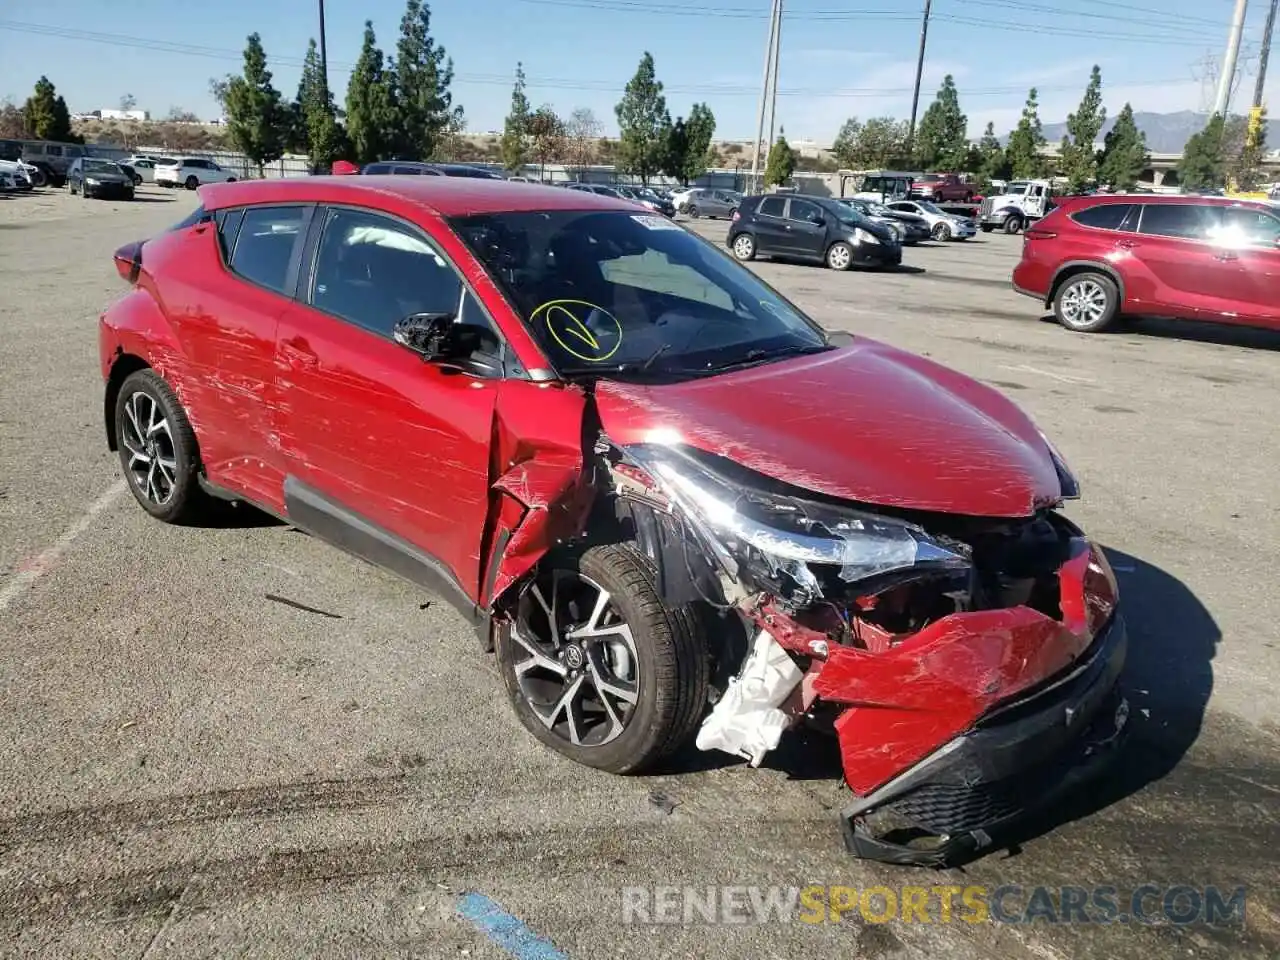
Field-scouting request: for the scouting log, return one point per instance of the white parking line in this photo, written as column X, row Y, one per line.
column 33, row 568
column 1060, row 377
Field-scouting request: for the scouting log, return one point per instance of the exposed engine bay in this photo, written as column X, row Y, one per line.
column 901, row 631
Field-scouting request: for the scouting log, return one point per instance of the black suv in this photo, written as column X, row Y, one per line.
column 810, row 228
column 417, row 168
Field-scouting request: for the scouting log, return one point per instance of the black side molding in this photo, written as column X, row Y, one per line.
column 334, row 523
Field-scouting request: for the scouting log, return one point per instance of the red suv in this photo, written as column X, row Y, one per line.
column 1194, row 258
column 943, row 188
column 669, row 501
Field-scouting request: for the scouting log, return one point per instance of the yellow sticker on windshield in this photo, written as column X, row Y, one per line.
column 566, row 321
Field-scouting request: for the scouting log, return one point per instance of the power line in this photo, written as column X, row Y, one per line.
column 503, row 79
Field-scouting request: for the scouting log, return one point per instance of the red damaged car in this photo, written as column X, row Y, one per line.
column 673, row 506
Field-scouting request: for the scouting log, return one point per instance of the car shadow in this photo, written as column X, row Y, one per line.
column 906, row 268
column 224, row 515
column 1193, row 331
column 140, row 199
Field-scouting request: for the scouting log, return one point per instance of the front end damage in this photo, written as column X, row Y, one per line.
column 967, row 665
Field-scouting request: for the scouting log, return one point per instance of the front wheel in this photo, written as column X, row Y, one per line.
column 597, row 666
column 38, row 177
column 744, row 247
column 693, row 213
column 1087, row 302
column 840, row 256
column 192, row 182
column 1013, row 225
column 941, row 232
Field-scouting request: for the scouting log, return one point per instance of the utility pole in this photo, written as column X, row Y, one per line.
column 324, row 58
column 764, row 92
column 915, row 94
column 773, row 93
column 1223, row 101
column 1266, row 54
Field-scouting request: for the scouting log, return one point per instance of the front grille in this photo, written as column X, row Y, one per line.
column 987, row 206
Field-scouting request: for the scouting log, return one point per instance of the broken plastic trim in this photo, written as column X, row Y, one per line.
column 792, row 530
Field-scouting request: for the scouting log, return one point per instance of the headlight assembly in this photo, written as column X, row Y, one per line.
column 791, row 529
column 864, row 236
column 1066, row 479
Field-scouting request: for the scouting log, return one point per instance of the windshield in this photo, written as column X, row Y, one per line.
column 1016, row 188
column 611, row 293
column 928, row 206
column 879, row 210
column 101, row 166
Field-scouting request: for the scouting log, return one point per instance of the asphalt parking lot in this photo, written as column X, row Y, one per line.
column 193, row 769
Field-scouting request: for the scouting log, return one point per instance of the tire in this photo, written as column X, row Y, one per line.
column 968, row 198
column 693, row 213
column 231, row 180
column 192, row 182
column 71, row 189
column 1087, row 302
column 987, row 228
column 839, row 256
column 940, row 232
column 667, row 658
column 744, row 247
column 39, row 177
column 175, row 443
column 1013, row 225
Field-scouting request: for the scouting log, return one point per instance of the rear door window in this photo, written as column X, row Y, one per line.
column 265, row 243
column 1104, row 216
column 1182, row 221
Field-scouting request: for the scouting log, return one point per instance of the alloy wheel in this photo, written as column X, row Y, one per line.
column 839, row 257
column 580, row 675
column 1083, row 303
column 153, row 462
column 744, row 247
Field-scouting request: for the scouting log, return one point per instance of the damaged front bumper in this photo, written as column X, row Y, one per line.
column 1017, row 759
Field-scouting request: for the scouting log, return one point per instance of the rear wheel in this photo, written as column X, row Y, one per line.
column 157, row 448
column 840, row 256
column 192, row 182
column 1087, row 302
column 744, row 247
column 597, row 666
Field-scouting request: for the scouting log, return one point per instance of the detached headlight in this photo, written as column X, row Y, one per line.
column 864, row 236
column 1066, row 479
column 785, row 528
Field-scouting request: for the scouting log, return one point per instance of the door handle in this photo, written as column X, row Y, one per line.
column 299, row 353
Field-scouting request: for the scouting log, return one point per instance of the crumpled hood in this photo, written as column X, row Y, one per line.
column 866, row 422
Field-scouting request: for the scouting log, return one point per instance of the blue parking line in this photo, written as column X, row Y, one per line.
column 506, row 931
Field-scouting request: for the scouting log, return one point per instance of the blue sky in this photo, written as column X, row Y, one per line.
column 839, row 58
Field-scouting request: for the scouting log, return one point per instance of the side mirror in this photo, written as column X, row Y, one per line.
column 425, row 333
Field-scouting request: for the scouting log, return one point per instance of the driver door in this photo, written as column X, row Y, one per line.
column 1037, row 197
column 806, row 231
column 386, row 455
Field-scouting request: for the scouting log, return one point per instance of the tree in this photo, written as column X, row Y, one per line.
column 181, row 115
column 1022, row 152
column 582, row 131
column 993, row 165
column 546, row 133
column 1247, row 169
column 515, row 131
column 128, row 102
column 1079, row 155
column 12, row 124
column 423, row 72
column 1124, row 153
column 781, row 163
column 700, row 128
column 45, row 114
column 370, row 103
column 642, row 120
column 675, row 150
column 256, row 117
column 880, row 142
column 942, row 140
column 1201, row 166
column 315, row 129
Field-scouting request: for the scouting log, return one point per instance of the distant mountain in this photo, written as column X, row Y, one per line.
column 1166, row 132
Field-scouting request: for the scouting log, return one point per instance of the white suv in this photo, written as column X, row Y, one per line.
column 191, row 172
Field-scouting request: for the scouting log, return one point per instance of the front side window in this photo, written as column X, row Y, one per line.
column 1247, row 227
column 1183, row 221
column 373, row 271
column 805, row 212
column 613, row 293
column 264, row 245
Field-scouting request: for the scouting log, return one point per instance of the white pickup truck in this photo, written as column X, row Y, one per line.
column 1019, row 203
